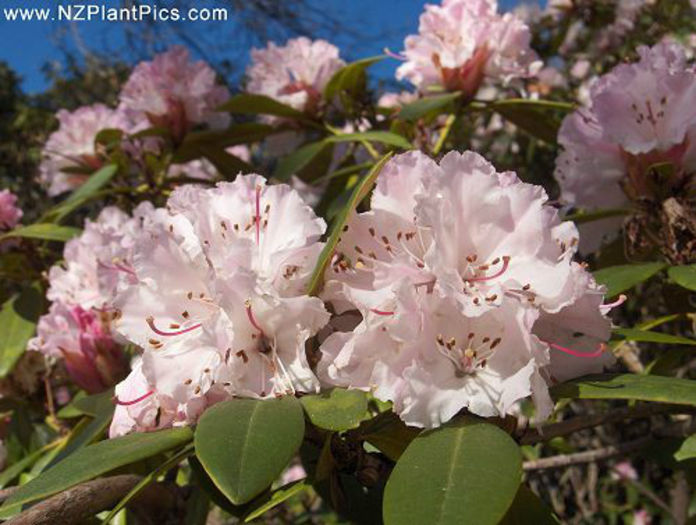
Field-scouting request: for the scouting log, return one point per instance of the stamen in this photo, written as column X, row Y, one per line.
column 506, row 263
column 252, row 319
column 151, row 323
column 116, row 267
column 257, row 219
column 381, row 312
column 602, row 348
column 391, row 54
column 133, row 401
column 604, row 308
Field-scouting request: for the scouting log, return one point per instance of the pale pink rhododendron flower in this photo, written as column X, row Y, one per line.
column 294, row 74
column 640, row 115
column 219, row 305
column 10, row 214
column 69, row 155
column 466, row 286
column 463, row 42
column 176, row 93
column 78, row 325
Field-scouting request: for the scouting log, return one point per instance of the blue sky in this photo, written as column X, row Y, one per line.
column 27, row 46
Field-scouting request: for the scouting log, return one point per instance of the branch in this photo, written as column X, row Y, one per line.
column 589, row 456
column 87, row 499
column 575, row 424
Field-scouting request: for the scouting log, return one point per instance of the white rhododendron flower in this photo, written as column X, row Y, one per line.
column 462, row 42
column 640, row 115
column 77, row 327
column 173, row 92
column 294, row 74
column 219, row 306
column 10, row 213
column 465, row 282
column 71, row 147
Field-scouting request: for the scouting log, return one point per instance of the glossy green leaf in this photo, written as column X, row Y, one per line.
column 388, row 433
column 425, row 105
column 277, row 497
column 245, row 444
column 359, row 193
column 298, row 160
column 629, row 386
column 385, row 137
column 18, row 319
column 687, row 450
column 465, row 472
column 98, row 459
column 684, row 276
column 528, row 509
column 337, row 410
column 583, row 217
column 647, row 336
column 530, row 116
column 249, row 104
column 350, row 78
column 77, row 198
column 618, row 279
column 44, row 231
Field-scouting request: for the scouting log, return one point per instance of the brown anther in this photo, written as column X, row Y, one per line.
column 371, row 230
column 185, row 314
column 174, row 326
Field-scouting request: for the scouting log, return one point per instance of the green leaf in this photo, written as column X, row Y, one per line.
column 248, row 104
column 684, row 276
column 244, row 444
column 275, row 498
column 582, row 217
column 423, row 106
column 618, row 279
column 45, row 231
column 531, row 116
column 359, row 193
column 337, row 410
column 646, row 336
column 388, row 433
column 467, row 471
column 687, row 450
column 95, row 404
column 18, row 319
column 350, row 78
column 528, row 509
column 78, row 197
column 629, row 386
column 299, row 159
column 385, row 137
column 98, row 459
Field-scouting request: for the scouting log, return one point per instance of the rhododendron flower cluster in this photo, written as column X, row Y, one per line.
column 78, row 326
column 217, row 302
column 69, row 155
column 10, row 214
column 175, row 93
column 294, row 74
column 463, row 42
column 640, row 116
column 170, row 92
column 468, row 293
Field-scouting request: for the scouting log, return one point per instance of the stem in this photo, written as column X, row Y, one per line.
column 444, row 134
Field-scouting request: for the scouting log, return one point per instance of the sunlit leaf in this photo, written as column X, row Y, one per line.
column 44, row 231
column 629, row 386
column 687, row 450
column 336, row 410
column 359, row 193
column 249, row 104
column 244, row 444
column 18, row 319
column 618, row 279
column 385, row 137
column 95, row 460
column 350, row 78
column 425, row 105
column 684, row 276
column 465, row 472
column 77, row 198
